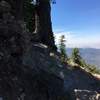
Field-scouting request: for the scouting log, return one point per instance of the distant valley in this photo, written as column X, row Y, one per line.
column 90, row 55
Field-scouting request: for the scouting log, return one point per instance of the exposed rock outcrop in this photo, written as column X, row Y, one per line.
column 28, row 71
column 87, row 95
column 23, row 72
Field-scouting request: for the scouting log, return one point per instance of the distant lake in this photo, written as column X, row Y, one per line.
column 90, row 55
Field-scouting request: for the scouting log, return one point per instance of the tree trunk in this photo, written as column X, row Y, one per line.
column 19, row 9
column 43, row 23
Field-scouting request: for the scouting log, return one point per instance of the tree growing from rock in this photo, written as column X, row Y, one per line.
column 62, row 48
column 76, row 57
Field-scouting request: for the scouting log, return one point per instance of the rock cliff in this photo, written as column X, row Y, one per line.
column 24, row 73
column 30, row 71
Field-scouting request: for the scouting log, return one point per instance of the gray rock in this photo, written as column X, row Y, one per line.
column 24, row 66
column 87, row 95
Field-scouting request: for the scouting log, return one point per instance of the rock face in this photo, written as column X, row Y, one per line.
column 28, row 71
column 80, row 85
column 23, row 75
column 16, row 6
column 87, row 95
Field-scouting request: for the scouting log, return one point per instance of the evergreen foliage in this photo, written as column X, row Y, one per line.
column 62, row 48
column 76, row 56
column 92, row 69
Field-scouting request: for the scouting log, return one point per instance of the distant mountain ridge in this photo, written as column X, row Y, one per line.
column 90, row 55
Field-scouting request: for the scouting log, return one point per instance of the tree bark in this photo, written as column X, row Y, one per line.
column 19, row 9
column 43, row 25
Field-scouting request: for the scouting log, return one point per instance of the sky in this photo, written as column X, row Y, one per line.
column 79, row 21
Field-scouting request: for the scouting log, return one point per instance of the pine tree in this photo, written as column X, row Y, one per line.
column 62, row 48
column 76, row 56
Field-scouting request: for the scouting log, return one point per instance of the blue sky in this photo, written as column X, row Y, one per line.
column 79, row 21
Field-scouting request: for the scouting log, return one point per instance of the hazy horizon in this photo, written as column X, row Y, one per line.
column 75, row 41
column 90, row 55
column 79, row 21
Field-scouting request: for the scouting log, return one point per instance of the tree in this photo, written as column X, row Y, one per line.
column 62, row 48
column 43, row 24
column 29, row 12
column 76, row 56
column 38, row 21
column 81, row 62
